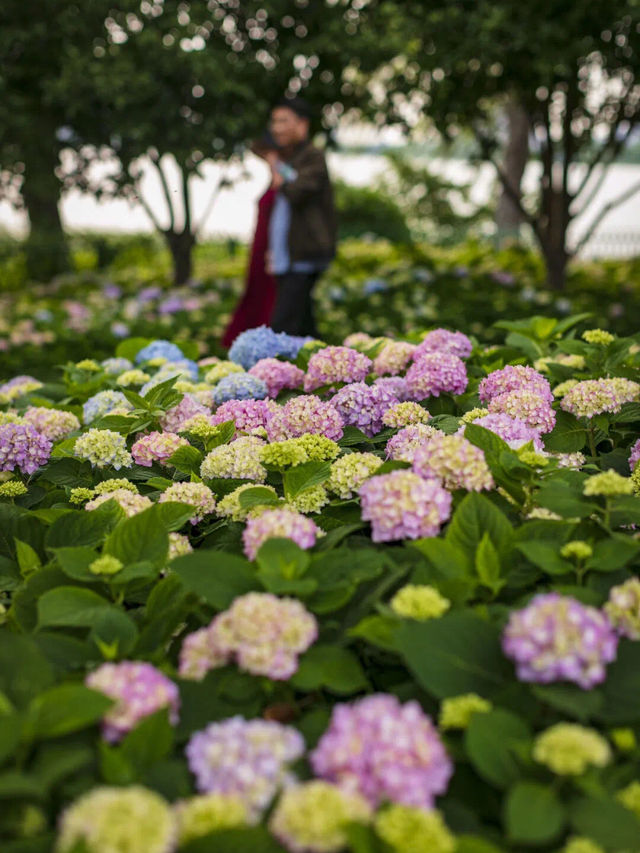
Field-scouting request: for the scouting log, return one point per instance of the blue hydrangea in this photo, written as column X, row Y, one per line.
column 116, row 366
column 239, row 386
column 182, row 367
column 290, row 345
column 254, row 344
column 102, row 403
column 374, row 285
column 160, row 349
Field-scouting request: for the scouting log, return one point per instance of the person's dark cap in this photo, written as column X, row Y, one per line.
column 297, row 105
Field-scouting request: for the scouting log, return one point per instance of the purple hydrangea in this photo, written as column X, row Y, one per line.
column 187, row 408
column 442, row 340
column 634, row 456
column 248, row 415
column 513, row 431
column 396, row 385
column 23, row 447
column 278, row 524
column 557, row 638
column 385, row 751
column 526, row 405
column 305, row 414
column 514, row 377
column 401, row 505
column 363, row 405
column 335, row 365
column 435, row 373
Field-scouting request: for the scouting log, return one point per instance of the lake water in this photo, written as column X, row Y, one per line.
column 234, row 209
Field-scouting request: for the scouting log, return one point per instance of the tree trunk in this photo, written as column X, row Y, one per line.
column 516, row 155
column 180, row 245
column 46, row 246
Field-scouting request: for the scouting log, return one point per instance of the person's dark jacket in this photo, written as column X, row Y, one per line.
column 312, row 232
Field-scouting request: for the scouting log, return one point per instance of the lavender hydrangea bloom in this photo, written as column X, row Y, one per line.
column 514, row 431
column 442, row 340
column 248, row 415
column 334, row 365
column 305, row 414
column 396, row 385
column 385, row 751
column 556, row 638
column 363, row 405
column 514, row 377
column 634, row 456
column 401, row 505
column 23, row 447
column 435, row 373
column 159, row 349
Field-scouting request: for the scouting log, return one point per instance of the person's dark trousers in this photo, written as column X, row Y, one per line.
column 293, row 311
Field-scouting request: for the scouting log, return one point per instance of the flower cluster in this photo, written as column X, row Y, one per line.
column 23, row 448
column 138, row 689
column 526, row 405
column 623, row 608
column 238, row 386
column 130, row 502
column 395, row 385
column 401, row 505
column 256, row 344
column 607, row 484
column 634, row 455
column 102, row 404
column 569, row 749
column 278, row 524
column 54, row 424
column 245, row 758
column 189, row 407
column 221, row 369
column 115, row 366
column 393, row 358
column 197, row 495
column 413, row 830
column 309, row 500
column 435, row 373
column 403, row 445
column 277, row 375
column 156, row 447
column 598, row 337
column 595, row 396
column 103, row 448
column 514, row 377
column 159, row 349
column 442, row 340
column 556, row 638
column 132, row 377
column 18, row 387
column 384, row 750
column 248, row 415
column 363, row 406
column 456, row 711
column 305, row 414
column 335, row 365
column 206, row 813
column 454, row 461
column 230, row 507
column 403, row 414
column 420, row 602
column 513, row 431
column 349, row 472
column 240, row 460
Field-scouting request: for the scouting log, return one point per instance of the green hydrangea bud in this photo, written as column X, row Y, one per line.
column 457, row 711
column 630, row 797
column 569, row 749
column 405, row 828
column 13, row 489
column 106, row 565
column 80, row 495
column 598, row 337
column 624, row 739
column 607, row 484
column 576, row 550
column 420, row 602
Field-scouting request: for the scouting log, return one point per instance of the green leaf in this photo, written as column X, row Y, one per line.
column 570, row 700
column 149, row 742
column 305, row 476
column 281, row 566
column 621, row 690
column 533, row 814
column 606, row 821
column 187, row 460
column 257, row 496
column 75, row 563
column 24, row 670
column 561, row 498
column 10, row 734
column 490, row 741
column 83, row 528
column 131, row 347
column 352, row 436
column 172, row 515
column 473, row 844
column 65, row 709
column 70, row 606
column 377, row 630
column 457, row 653
column 567, row 436
column 546, row 556
column 613, row 553
column 114, row 633
column 27, row 558
column 140, row 538
column 475, row 516
column 485, row 439
column 253, row 840
column 332, row 667
column 216, row 577
column 488, row 564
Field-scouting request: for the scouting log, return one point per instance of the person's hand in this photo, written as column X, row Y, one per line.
column 272, row 158
column 276, row 178
column 268, row 262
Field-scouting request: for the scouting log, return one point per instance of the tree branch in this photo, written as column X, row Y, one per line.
column 145, row 206
column 186, row 200
column 608, row 207
column 165, row 189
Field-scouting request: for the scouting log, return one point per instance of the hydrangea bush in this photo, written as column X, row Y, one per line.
column 378, row 597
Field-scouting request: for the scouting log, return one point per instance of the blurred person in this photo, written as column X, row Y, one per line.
column 302, row 229
column 256, row 306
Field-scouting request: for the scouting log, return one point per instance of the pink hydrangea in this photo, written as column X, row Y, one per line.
column 248, row 415
column 333, row 365
column 634, row 456
column 402, row 505
column 393, row 358
column 187, row 408
column 595, row 396
column 363, row 406
column 442, row 340
column 23, row 447
column 197, row 495
column 396, row 385
column 513, row 431
column 305, row 414
column 138, row 690
column 454, row 461
column 435, row 373
column 526, row 405
column 52, row 423
column 279, row 524
column 156, row 447
column 403, row 445
column 262, row 633
column 277, row 375
column 385, row 751
column 514, row 377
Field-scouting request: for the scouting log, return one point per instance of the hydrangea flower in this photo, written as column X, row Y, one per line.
column 156, row 447
column 385, row 751
column 456, row 711
column 595, row 396
column 598, row 337
column 132, row 377
column 189, row 407
column 569, row 749
column 404, row 414
column 239, row 386
column 221, row 369
column 435, row 373
column 245, row 758
column 102, row 404
column 442, row 340
column 358, row 340
column 634, row 455
column 363, row 406
column 13, row 489
column 556, row 638
column 206, row 813
column 277, row 375
column 197, row 495
column 455, row 461
column 420, row 602
column 240, row 460
column 138, row 690
column 350, row 471
column 305, row 414
column 159, row 349
column 403, row 445
column 309, row 500
column 255, row 344
column 131, row 502
column 413, row 830
column 248, row 415
column 311, row 817
column 393, row 358
column 117, row 820
column 395, row 385
column 278, row 524
column 623, row 608
column 401, row 505
column 23, row 448
column 513, row 431
column 514, row 377
column 54, row 424
column 18, row 387
column 333, row 365
column 179, row 545
column 229, row 506
column 115, row 366
column 630, row 797
column 526, row 405
column 607, row 484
